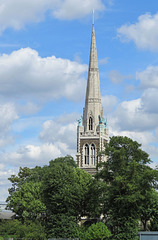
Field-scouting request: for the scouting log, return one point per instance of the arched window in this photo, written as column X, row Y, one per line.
column 90, row 123
column 86, row 154
column 92, row 154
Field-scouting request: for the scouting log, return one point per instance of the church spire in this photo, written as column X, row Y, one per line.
column 93, row 96
column 92, row 132
column 93, row 84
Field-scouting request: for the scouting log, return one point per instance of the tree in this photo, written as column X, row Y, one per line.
column 98, row 231
column 128, row 177
column 55, row 196
column 65, row 188
column 15, row 229
column 149, row 211
column 25, row 194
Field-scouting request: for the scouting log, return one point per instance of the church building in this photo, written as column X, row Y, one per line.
column 92, row 131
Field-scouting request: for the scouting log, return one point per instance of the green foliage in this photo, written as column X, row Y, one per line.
column 68, row 160
column 128, row 178
column 25, row 194
column 50, row 201
column 124, row 228
column 98, row 231
column 64, row 189
column 95, row 198
column 149, row 211
column 54, row 196
column 62, row 226
column 15, row 229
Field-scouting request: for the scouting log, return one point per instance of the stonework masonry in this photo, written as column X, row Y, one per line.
column 92, row 131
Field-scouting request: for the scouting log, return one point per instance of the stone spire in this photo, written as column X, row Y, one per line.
column 93, row 106
column 92, row 131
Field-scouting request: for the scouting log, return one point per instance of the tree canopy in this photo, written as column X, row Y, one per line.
column 128, row 178
column 56, row 197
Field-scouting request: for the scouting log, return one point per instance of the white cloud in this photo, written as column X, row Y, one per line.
column 28, row 108
column 4, row 183
column 144, row 33
column 58, row 139
column 31, row 155
column 149, row 77
column 40, row 78
column 17, row 13
column 135, row 119
column 8, row 116
column 56, row 132
column 145, row 138
column 149, row 101
column 70, row 9
column 109, row 102
column 131, row 116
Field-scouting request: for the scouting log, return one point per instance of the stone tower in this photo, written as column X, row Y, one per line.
column 92, row 132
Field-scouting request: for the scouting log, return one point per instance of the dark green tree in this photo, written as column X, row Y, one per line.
column 128, row 177
column 149, row 211
column 16, row 229
column 65, row 188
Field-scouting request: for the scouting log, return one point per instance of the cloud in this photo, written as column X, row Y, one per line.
column 70, row 9
column 40, row 78
column 138, row 119
column 57, row 139
column 149, row 101
column 8, row 116
column 4, row 183
column 109, row 102
column 144, row 33
column 16, row 14
column 103, row 61
column 149, row 77
column 145, row 138
column 65, row 134
column 131, row 116
column 28, row 108
column 67, row 118
column 116, row 77
column 31, row 155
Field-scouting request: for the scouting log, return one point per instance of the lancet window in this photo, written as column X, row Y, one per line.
column 86, row 154
column 92, row 154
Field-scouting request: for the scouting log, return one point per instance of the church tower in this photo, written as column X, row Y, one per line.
column 92, row 132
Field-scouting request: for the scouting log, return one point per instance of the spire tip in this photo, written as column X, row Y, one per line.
column 93, row 16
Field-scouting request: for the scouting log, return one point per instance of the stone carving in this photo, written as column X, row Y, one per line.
column 106, row 123
column 80, row 121
column 100, row 120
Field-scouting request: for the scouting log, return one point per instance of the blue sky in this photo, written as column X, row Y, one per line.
column 44, row 55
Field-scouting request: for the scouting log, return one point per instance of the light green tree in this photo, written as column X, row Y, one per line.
column 98, row 231
column 25, row 194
